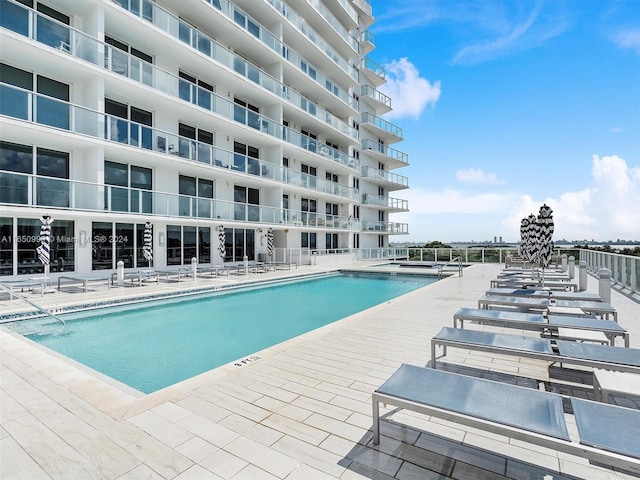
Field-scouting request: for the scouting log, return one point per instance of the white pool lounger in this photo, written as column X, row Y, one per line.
column 607, row 434
column 572, row 353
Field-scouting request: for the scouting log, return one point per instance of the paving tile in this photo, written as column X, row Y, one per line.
column 262, row 457
column 224, row 464
column 311, row 455
column 197, row 473
column 160, row 428
column 255, row 431
column 210, row 431
column 196, row 449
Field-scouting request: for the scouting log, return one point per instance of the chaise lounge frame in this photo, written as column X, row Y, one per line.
column 597, row 444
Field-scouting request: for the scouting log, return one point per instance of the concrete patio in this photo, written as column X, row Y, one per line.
column 298, row 410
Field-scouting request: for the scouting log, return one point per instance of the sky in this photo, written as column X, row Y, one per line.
column 506, row 105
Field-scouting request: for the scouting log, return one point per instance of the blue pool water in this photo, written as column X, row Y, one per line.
column 152, row 345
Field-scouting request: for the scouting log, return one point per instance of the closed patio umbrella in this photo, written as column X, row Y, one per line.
column 544, row 230
column 222, row 249
column 147, row 248
column 531, row 248
column 44, row 249
column 270, row 241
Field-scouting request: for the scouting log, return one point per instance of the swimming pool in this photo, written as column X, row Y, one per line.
column 151, row 345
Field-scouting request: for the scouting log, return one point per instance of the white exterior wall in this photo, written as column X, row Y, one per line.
column 326, row 116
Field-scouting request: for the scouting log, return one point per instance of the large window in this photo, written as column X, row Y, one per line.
column 15, row 160
column 119, row 197
column 52, row 167
column 51, row 106
column 247, row 203
column 308, row 240
column 186, row 242
column 62, row 249
column 117, row 60
column 309, row 209
column 246, row 158
column 136, row 132
column 54, row 189
column 114, row 242
column 196, row 197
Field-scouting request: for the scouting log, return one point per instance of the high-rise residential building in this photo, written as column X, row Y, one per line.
column 259, row 121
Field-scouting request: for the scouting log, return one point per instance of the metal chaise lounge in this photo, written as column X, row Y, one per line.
column 541, row 293
column 546, row 325
column 523, row 282
column 572, row 353
column 84, row 280
column 284, row 265
column 213, row 270
column 607, row 434
column 548, row 305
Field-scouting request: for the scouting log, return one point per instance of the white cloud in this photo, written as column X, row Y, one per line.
column 628, row 39
column 519, row 35
column 410, row 94
column 617, row 130
column 477, row 176
column 607, row 209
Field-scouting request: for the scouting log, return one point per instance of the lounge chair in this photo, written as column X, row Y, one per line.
column 606, row 433
column 542, row 293
column 213, row 270
column 84, row 280
column 549, row 305
column 30, row 285
column 526, row 283
column 572, row 353
column 544, row 324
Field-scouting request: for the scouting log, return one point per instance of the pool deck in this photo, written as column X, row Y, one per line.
column 298, row 410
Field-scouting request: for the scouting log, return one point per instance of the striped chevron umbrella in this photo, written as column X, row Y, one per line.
column 531, row 249
column 147, row 248
column 44, row 249
column 222, row 249
column 270, row 241
column 524, row 234
column 544, row 228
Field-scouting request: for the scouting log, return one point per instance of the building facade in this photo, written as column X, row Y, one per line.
column 256, row 118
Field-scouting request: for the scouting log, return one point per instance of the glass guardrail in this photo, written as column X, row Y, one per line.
column 386, row 176
column 62, row 37
column 31, row 107
column 33, row 190
column 385, row 150
column 381, row 124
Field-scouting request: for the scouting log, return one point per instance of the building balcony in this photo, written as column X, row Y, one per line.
column 150, row 12
column 46, row 111
column 23, row 190
column 387, row 155
column 373, row 72
column 376, row 99
column 383, row 202
column 382, row 129
column 389, row 180
column 392, row 228
column 314, row 37
column 85, row 47
column 367, row 41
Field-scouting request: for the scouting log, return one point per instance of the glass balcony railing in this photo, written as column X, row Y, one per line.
column 167, row 22
column 383, row 175
column 367, row 91
column 367, row 37
column 373, row 67
column 36, row 108
column 381, row 124
column 33, row 190
column 303, row 27
column 385, row 227
column 34, row 25
column 385, row 150
column 386, row 202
